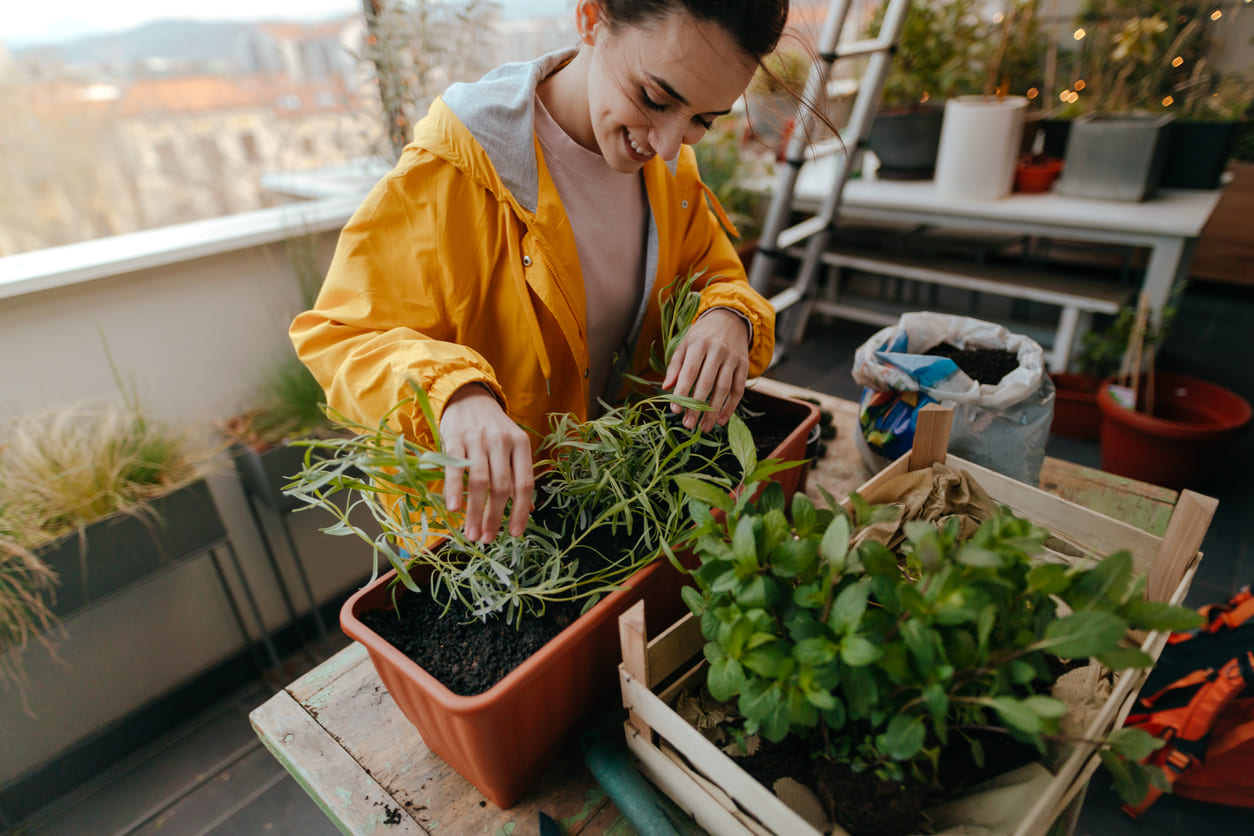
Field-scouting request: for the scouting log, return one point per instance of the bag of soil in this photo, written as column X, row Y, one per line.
column 993, row 380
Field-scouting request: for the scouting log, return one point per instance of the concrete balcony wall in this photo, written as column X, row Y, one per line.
column 192, row 316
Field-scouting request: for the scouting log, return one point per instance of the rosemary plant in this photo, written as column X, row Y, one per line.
column 608, row 480
column 607, row 497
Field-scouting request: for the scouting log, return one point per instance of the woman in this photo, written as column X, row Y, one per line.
column 520, row 244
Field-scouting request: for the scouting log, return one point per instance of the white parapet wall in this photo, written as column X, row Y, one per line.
column 192, row 317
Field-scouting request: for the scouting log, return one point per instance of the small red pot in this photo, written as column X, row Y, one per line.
column 1037, row 174
column 1182, row 443
column 1075, row 406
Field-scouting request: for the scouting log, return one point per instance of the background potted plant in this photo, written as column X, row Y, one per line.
column 1166, row 429
column 982, row 135
column 1132, row 55
column 934, row 61
column 1212, row 110
column 94, row 497
column 606, row 509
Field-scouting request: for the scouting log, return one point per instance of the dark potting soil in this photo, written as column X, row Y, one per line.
column 469, row 656
column 867, row 806
column 983, row 365
column 858, row 801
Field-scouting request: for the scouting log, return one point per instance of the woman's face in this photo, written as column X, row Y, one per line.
column 653, row 87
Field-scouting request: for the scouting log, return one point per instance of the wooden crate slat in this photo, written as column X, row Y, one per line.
column 1076, row 770
column 1093, row 531
column 694, row 676
column 703, row 783
column 707, row 758
column 1180, row 546
column 676, row 645
column 678, row 785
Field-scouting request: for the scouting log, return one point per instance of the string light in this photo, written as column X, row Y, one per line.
column 1168, row 101
column 999, row 17
column 1177, row 61
column 1033, row 93
column 926, row 96
column 1080, row 84
column 1080, row 33
column 1215, row 15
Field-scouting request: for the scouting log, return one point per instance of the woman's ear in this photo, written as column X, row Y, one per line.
column 587, row 18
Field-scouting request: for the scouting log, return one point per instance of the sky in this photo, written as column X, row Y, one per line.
column 25, row 21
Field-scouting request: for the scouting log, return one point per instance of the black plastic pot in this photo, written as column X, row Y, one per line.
column 1197, row 153
column 906, row 140
column 1055, row 132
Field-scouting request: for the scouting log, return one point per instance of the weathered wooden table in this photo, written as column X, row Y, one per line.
column 338, row 732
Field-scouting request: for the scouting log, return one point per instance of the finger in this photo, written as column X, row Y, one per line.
column 686, row 380
column 478, row 483
column 707, row 390
column 502, row 483
column 453, row 478
column 524, row 489
column 674, row 372
column 740, row 375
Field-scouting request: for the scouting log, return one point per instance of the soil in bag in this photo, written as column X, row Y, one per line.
column 983, row 365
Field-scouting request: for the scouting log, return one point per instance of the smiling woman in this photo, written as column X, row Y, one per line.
column 511, row 264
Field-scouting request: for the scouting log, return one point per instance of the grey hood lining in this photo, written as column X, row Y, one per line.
column 499, row 111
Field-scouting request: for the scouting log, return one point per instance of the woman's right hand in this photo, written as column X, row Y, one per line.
column 475, row 427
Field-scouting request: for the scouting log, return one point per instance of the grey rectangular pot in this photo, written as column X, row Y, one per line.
column 119, row 550
column 264, row 474
column 1114, row 156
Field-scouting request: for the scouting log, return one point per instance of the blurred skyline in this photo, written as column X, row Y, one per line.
column 28, row 24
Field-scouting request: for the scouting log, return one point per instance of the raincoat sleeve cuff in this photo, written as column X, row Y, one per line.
column 743, row 318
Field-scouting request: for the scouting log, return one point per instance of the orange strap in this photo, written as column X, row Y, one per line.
column 1209, row 702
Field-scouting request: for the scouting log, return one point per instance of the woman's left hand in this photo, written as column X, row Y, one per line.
column 711, row 364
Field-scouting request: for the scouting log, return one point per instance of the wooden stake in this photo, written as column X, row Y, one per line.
column 1130, row 370
column 931, row 436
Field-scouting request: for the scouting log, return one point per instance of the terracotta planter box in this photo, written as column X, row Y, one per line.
column 704, row 781
column 502, row 740
column 120, row 550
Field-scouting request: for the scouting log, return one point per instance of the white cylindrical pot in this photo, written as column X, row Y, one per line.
column 979, row 146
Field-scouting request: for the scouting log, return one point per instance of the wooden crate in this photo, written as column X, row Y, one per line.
column 726, row 800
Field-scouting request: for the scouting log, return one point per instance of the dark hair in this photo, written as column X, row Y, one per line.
column 756, row 25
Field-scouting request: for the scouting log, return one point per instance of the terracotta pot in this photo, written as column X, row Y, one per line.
column 1182, row 443
column 1075, row 406
column 502, row 740
column 1036, row 174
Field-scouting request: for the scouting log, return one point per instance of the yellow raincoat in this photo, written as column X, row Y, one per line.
column 460, row 266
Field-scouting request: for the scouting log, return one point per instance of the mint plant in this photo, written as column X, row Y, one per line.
column 880, row 659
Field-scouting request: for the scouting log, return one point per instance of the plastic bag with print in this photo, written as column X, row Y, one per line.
column 1002, row 426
